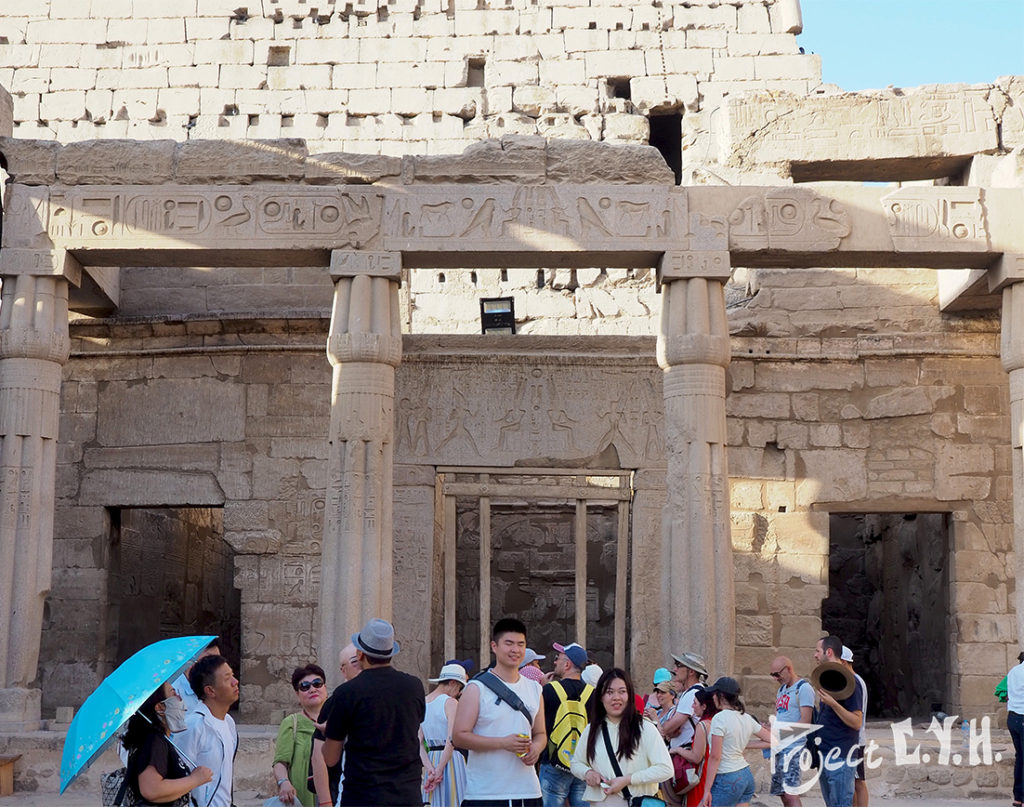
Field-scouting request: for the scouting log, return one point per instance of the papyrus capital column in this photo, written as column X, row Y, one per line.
column 34, row 344
column 693, row 352
column 364, row 348
column 1012, row 355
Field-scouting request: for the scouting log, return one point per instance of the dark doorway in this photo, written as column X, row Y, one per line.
column 173, row 575
column 533, row 551
column 889, row 603
column 667, row 137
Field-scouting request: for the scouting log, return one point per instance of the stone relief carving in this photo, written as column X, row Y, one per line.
column 109, row 216
column 946, row 219
column 469, row 218
column 542, row 412
column 916, row 119
column 789, row 219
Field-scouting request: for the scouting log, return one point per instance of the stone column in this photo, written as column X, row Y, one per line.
column 693, row 350
column 364, row 348
column 34, row 343
column 1012, row 354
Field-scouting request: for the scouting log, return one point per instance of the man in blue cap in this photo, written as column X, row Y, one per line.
column 376, row 718
column 565, row 711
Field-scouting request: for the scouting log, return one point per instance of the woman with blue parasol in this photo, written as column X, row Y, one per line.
column 155, row 771
column 139, row 693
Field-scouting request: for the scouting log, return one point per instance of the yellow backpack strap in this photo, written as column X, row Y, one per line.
column 585, row 694
column 560, row 691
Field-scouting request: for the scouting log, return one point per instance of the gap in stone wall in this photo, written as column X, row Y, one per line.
column 175, row 578
column 889, row 603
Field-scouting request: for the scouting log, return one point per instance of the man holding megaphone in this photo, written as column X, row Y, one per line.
column 840, row 716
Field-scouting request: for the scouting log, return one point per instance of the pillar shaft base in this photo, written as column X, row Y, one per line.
column 20, row 709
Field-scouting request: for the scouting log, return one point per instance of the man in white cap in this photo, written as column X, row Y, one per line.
column 376, row 717
column 565, row 710
column 689, row 669
column 860, row 785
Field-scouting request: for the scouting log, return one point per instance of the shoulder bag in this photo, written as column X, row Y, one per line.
column 631, row 800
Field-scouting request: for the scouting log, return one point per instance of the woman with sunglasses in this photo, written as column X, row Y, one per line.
column 294, row 745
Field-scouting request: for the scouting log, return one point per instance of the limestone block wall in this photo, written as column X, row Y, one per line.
column 859, row 396
column 429, row 76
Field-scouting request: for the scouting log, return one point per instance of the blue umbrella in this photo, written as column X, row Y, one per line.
column 119, row 696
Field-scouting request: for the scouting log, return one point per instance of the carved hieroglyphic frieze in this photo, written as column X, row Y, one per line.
column 941, row 219
column 775, row 127
column 176, row 216
column 538, row 218
column 788, row 219
column 543, row 412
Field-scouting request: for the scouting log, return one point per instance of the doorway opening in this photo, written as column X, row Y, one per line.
column 667, row 137
column 172, row 574
column 548, row 547
column 889, row 603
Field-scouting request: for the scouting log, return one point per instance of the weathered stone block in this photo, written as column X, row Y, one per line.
column 116, row 161
column 851, row 128
column 258, row 160
column 30, row 162
column 585, row 162
column 150, row 488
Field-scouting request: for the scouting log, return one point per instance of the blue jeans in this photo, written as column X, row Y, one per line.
column 1015, row 723
column 557, row 785
column 732, row 788
column 836, row 782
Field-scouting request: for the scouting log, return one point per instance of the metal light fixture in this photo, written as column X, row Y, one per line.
column 497, row 315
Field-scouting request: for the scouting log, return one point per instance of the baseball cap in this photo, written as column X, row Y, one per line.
column 577, row 655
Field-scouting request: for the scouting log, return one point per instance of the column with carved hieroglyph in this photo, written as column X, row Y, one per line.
column 34, row 344
column 1012, row 354
column 364, row 348
column 693, row 352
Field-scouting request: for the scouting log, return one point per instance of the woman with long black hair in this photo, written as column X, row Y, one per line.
column 619, row 754
column 155, row 772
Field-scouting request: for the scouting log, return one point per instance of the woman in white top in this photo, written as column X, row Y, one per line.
column 728, row 780
column 639, row 751
column 445, row 781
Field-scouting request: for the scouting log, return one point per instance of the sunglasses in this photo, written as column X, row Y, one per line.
column 305, row 686
column 777, row 675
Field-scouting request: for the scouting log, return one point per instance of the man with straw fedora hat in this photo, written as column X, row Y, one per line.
column 688, row 674
column 376, row 717
column 840, row 717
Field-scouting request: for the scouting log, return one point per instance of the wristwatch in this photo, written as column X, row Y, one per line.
column 282, row 779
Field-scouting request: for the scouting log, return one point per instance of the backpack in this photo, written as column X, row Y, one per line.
column 570, row 720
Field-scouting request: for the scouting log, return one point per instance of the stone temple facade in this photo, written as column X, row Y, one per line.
column 750, row 397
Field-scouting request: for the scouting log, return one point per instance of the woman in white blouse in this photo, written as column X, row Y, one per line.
column 639, row 751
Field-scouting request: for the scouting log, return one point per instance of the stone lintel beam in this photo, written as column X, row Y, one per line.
column 532, row 225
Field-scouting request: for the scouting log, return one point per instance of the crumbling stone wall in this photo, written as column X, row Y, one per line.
column 413, row 76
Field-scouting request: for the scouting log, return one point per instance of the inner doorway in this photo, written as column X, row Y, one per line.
column 172, row 574
column 550, row 548
column 889, row 603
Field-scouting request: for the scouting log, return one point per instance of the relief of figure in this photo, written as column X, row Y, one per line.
column 459, row 433
column 562, row 425
column 614, row 432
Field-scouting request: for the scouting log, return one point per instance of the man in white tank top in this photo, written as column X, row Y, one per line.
column 503, row 745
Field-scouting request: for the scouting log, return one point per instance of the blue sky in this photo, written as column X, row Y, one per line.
column 868, row 44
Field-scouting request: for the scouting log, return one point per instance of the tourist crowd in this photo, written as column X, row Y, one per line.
column 512, row 735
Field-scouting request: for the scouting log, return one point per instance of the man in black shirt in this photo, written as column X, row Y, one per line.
column 376, row 717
